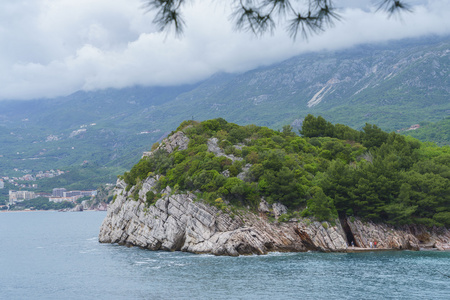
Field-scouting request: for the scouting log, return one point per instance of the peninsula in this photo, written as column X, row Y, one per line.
column 216, row 187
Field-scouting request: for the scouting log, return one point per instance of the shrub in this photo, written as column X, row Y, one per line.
column 284, row 217
column 151, row 198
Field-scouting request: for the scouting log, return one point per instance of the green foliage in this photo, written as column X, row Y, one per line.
column 319, row 127
column 220, row 204
column 159, row 162
column 438, row 132
column 4, row 194
column 284, row 217
column 155, row 146
column 282, row 186
column 320, row 205
column 79, row 200
column 151, row 197
column 88, row 177
column 135, row 195
column 333, row 170
column 185, row 124
column 373, row 136
column 316, row 127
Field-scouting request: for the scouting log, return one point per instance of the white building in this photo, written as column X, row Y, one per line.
column 71, row 196
column 58, row 192
column 82, row 193
column 62, row 199
column 19, row 196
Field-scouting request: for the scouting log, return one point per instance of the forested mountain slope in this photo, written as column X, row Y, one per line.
column 438, row 132
column 393, row 85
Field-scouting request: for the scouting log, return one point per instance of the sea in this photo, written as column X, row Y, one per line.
column 56, row 255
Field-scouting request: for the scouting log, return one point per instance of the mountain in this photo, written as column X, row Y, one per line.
column 394, row 85
column 98, row 127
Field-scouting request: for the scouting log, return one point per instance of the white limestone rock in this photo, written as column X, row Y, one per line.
column 213, row 147
column 244, row 172
column 178, row 140
column 387, row 237
column 263, row 206
column 180, row 222
column 279, row 209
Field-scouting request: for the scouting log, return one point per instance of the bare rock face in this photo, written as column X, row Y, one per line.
column 180, row 222
column 323, row 236
column 438, row 238
column 386, row 237
column 263, row 206
column 244, row 172
column 213, row 147
column 78, row 207
column 176, row 141
column 279, row 209
column 177, row 222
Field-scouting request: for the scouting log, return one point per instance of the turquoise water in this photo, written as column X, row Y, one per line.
column 51, row 255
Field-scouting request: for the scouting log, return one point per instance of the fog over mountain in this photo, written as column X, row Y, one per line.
column 54, row 48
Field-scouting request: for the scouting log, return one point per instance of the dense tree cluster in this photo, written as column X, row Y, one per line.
column 331, row 170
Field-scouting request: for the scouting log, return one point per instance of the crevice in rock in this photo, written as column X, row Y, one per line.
column 180, row 242
column 268, row 245
column 348, row 232
column 306, row 240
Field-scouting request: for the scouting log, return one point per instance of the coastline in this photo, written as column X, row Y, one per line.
column 177, row 222
column 49, row 210
column 360, row 249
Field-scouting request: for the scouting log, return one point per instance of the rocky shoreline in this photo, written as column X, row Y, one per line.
column 180, row 222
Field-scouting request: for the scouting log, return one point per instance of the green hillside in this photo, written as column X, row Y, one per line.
column 331, row 171
column 438, row 132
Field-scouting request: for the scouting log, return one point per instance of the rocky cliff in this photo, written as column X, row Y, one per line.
column 180, row 222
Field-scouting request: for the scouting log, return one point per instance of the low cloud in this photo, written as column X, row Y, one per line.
column 58, row 47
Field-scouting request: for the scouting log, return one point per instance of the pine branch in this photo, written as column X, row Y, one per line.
column 262, row 16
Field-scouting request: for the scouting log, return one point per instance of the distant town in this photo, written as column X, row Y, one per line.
column 28, row 182
column 58, row 195
column 18, row 181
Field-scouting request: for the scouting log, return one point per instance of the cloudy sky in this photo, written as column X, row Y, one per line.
column 52, row 48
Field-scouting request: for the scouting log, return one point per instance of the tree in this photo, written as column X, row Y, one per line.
column 373, row 136
column 260, row 16
column 316, row 127
column 321, row 206
column 281, row 186
column 287, row 131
